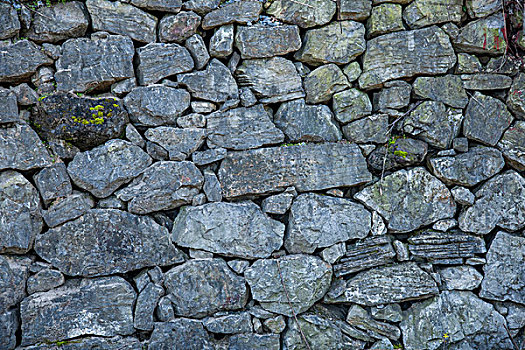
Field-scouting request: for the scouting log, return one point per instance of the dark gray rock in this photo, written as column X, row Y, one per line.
column 373, row 129
column 262, row 41
column 229, row 323
column 486, row 81
column 389, row 312
column 406, row 54
column 10, row 108
column 447, row 89
column 44, row 280
column 512, row 144
column 203, row 287
column 346, row 40
column 384, row 285
column 252, row 341
column 307, row 167
column 179, row 27
column 107, row 241
column 162, row 186
column 156, row 105
column 397, row 153
column 470, row 168
column 422, row 13
column 157, row 61
column 271, row 80
column 159, row 5
column 434, row 245
column 180, row 143
column 242, row 12
column 105, row 168
column 215, row 83
column 209, row 156
column 323, row 82
column 9, row 24
column 25, row 95
column 94, row 63
column 483, row 36
column 124, row 19
column 320, row 221
column 279, row 203
column 68, row 208
column 385, row 18
column 221, row 43
column 212, row 187
column 201, row 7
column 22, row 149
column 99, row 343
column 409, row 199
column 14, row 271
column 145, row 306
column 53, row 182
column 101, row 306
column 59, row 22
column 306, row 280
column 20, row 60
column 460, row 278
column 356, row 10
column 361, row 319
column 231, row 229
column 350, row 105
column 308, row 14
column 180, row 333
column 395, row 95
column 197, row 48
column 123, row 87
column 516, row 96
column 8, row 326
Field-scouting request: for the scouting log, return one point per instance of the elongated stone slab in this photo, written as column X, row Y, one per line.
column 307, row 167
column 445, row 245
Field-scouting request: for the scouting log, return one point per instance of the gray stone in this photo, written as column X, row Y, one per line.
column 197, row 48
column 25, row 96
column 68, row 208
column 447, row 89
column 356, row 10
column 406, row 54
column 14, row 271
column 516, row 96
column 337, row 43
column 145, row 306
column 504, row 273
column 180, row 333
column 215, row 83
column 162, row 186
column 231, row 229
column 434, row 245
column 276, row 324
column 105, row 168
column 230, row 323
column 470, row 168
column 512, row 144
column 309, row 13
column 334, row 253
column 373, row 129
column 221, row 42
column 242, row 12
column 8, row 326
column 59, row 22
column 212, row 187
column 462, row 195
column 94, row 63
column 242, row 128
column 63, row 149
column 460, row 278
column 323, row 82
column 279, row 203
column 434, row 123
column 239, row 266
column 302, row 122
column 385, row 18
column 247, row 97
column 203, row 107
column 469, row 323
column 486, row 81
column 460, row 144
column 359, row 318
column 307, row 167
column 20, row 215
column 159, row 5
column 515, row 318
column 378, row 225
column 53, row 182
column 383, row 344
column 117, row 342
column 177, row 28
column 133, row 136
column 483, row 36
column 20, row 60
column 384, row 285
column 482, row 8
column 409, row 199
column 422, row 13
column 389, row 312
column 156, row 105
column 271, row 80
column 124, row 19
column 305, row 278
column 262, row 41
column 317, row 221
column 468, row 64
column 350, row 105
column 209, row 156
column 101, row 306
column 157, row 61
column 180, row 143
column 8, row 101
column 445, row 224
column 395, row 95
column 9, row 24
column 203, row 287
column 201, row 7
column 123, row 87
column 44, row 280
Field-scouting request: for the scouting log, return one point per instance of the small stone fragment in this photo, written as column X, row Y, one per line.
column 212, row 187
column 159, row 5
column 180, row 333
column 278, row 204
column 197, row 48
column 8, row 101
column 356, row 10
column 433, row 245
column 359, row 317
column 460, row 278
column 177, row 28
column 512, row 144
column 53, row 182
column 68, row 208
column 486, row 81
column 389, row 312
column 221, row 43
column 350, row 105
column 209, row 156
column 25, row 96
column 44, row 280
column 323, row 82
column 145, row 306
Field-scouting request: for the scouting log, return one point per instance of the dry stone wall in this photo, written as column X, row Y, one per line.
column 243, row 174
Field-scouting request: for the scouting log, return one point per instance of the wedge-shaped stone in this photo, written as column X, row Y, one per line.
column 409, row 199
column 231, row 229
column 512, row 144
column 101, row 306
column 20, row 60
column 14, row 271
column 9, row 26
column 180, row 143
column 307, row 167
column 9, row 322
column 306, row 278
column 422, row 13
column 447, row 89
column 516, row 96
column 242, row 12
column 384, row 285
column 158, row 60
column 433, row 245
column 406, row 54
column 309, row 13
column 107, row 241
column 179, row 27
column 261, row 41
column 360, row 318
column 21, row 149
column 483, row 36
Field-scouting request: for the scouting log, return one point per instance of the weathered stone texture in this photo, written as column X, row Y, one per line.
column 157, row 61
column 20, row 60
column 262, row 41
column 307, row 14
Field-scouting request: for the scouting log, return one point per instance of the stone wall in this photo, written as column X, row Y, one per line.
column 289, row 174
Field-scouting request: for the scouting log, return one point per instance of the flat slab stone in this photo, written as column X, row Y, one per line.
column 113, row 343
column 406, row 54
column 68, row 208
column 309, row 13
column 159, row 5
column 262, row 41
column 179, row 27
column 230, row 229
column 422, row 13
column 486, row 81
column 107, row 241
column 460, row 278
column 180, row 143
column 433, row 245
column 21, row 149
column 472, row 38
column 241, row 12
column 180, row 333
column 447, row 89
column 512, row 144
column 409, row 199
column 101, row 306
column 20, row 60
column 307, row 167
column 158, row 60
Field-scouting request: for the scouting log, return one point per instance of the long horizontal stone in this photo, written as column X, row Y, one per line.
column 308, row 167
column 445, row 245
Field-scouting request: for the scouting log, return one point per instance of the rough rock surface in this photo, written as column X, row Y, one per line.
column 67, row 208
column 242, row 12
column 512, row 144
column 350, row 105
column 372, row 129
column 22, row 149
column 447, row 89
column 20, row 60
column 14, row 271
column 157, row 61
column 179, row 27
column 262, row 41
column 53, row 182
column 471, row 37
column 433, row 245
column 401, row 153
column 181, row 333
column 323, row 82
column 311, row 13
column 422, row 13
column 9, row 26
column 180, row 143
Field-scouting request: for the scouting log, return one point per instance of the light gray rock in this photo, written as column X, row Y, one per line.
column 133, row 136
column 462, row 195
column 229, row 323
column 512, row 144
column 460, row 278
column 435, row 245
column 241, row 12
column 372, row 129
column 279, row 203
column 8, row 100
column 231, row 229
column 308, row 14
column 20, row 60
column 350, row 105
column 306, row 279
column 14, row 271
column 422, row 13
column 317, row 221
column 117, row 342
column 209, row 156
column 68, row 208
column 201, row 7
column 212, row 187
column 197, row 48
column 262, row 41
column 483, row 36
column 486, row 119
column 124, row 19
column 323, row 82
column 53, row 182
column 356, row 10
column 203, row 287
column 389, row 312
column 395, row 95
column 8, row 326
column 145, row 306
column 180, row 143
column 221, row 42
column 385, row 18
column 360, row 318
column 180, row 333
column 9, row 26
column 177, row 28
column 486, row 81
column 162, row 186
column 332, row 254
column 44, row 280
column 157, row 61
column 482, row 8
column 447, row 89
column 159, row 5
column 276, row 324
column 254, row 341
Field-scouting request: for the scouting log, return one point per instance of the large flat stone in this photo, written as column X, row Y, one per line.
column 158, row 60
column 309, row 13
column 20, row 60
column 261, row 41
column 241, row 12
column 433, row 245
column 422, row 13
column 21, row 149
column 512, row 144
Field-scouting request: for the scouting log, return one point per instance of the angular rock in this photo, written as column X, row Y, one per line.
column 162, row 186
column 395, row 95
column 242, row 12
column 22, row 149
column 197, row 48
column 460, row 278
column 117, row 342
column 320, row 221
column 307, row 167
column 482, row 8
column 261, row 41
column 390, row 312
column 44, row 280
column 409, row 199
column 180, row 143
column 384, row 285
column 20, row 60
column 156, row 105
column 179, row 27
column 101, row 306
column 385, row 18
column 254, row 341
column 369, row 129
column 231, row 323
column 406, row 54
column 433, row 245
column 8, row 100
column 271, row 80
column 308, row 14
column 201, row 7
column 8, row 324
column 516, row 96
column 159, row 5
column 124, row 19
column 512, row 144
column 145, row 306
column 53, row 182
column 180, row 333
column 230, row 229
column 242, row 128
column 398, row 153
column 486, row 81
column 350, row 105
column 94, row 63
column 483, row 36
column 203, row 287
column 356, row 10
column 279, row 203
column 14, row 271
column 221, row 43
column 422, row 13
column 470, row 168
column 323, row 82
column 345, row 40
column 359, row 317
column 209, row 156
column 447, row 89
column 9, row 24
column 306, row 278
column 157, row 61
column 68, row 208
column 215, row 83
